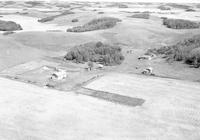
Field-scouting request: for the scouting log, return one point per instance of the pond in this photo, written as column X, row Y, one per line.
column 32, row 24
column 173, row 13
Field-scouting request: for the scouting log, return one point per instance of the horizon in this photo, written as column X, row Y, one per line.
column 145, row 1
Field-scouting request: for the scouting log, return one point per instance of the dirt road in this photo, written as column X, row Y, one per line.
column 28, row 112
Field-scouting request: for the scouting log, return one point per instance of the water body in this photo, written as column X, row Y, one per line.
column 193, row 16
column 174, row 13
column 32, row 24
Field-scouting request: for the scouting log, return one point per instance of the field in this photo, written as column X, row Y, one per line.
column 172, row 113
column 95, row 100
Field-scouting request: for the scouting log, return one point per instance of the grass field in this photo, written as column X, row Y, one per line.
column 37, row 112
column 111, row 102
column 54, row 40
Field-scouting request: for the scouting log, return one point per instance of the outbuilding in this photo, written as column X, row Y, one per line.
column 59, row 74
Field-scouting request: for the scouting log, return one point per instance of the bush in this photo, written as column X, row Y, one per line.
column 9, row 26
column 8, row 32
column 96, row 24
column 50, row 18
column 141, row 15
column 90, row 64
column 165, row 50
column 96, row 52
column 119, row 5
column 122, row 6
column 180, row 6
column 187, row 50
column 190, row 10
column 194, row 57
column 100, row 12
column 46, row 19
column 163, row 17
column 163, row 7
column 75, row 20
column 34, row 3
column 183, row 48
column 180, row 24
column 10, row 2
column 62, row 5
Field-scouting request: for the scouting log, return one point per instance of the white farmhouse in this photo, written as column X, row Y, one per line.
column 59, row 74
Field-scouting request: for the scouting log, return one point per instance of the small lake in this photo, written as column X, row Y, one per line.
column 12, row 10
column 32, row 24
column 193, row 16
column 174, row 13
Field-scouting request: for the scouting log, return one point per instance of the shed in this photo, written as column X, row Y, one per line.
column 59, row 74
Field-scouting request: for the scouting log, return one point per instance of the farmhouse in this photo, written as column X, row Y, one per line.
column 148, row 71
column 59, row 74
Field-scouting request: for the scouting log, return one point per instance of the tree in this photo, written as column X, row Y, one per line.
column 96, row 52
column 90, row 65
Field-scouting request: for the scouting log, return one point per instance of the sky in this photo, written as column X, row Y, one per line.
column 175, row 1
column 164, row 1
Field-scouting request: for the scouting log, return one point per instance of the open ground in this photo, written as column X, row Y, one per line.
column 111, row 102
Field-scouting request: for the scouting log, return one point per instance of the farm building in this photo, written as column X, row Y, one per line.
column 59, row 74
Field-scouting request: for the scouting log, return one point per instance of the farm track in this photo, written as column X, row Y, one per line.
column 112, row 97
